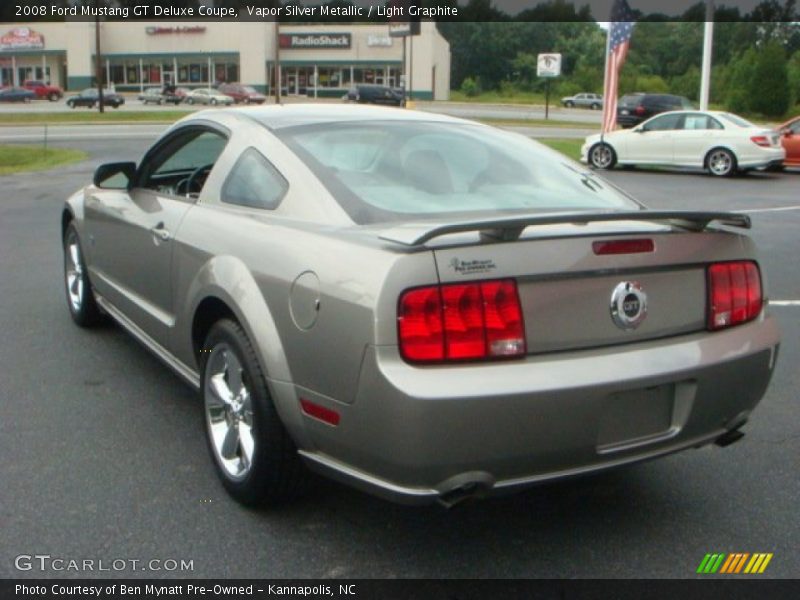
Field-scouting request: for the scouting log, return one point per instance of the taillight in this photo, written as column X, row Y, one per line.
column 639, row 110
column 734, row 293
column 462, row 321
column 760, row 140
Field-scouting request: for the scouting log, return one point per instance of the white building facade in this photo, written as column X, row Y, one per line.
column 315, row 60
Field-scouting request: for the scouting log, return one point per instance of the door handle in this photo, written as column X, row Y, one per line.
column 160, row 232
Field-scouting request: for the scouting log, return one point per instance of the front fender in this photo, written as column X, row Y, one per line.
column 228, row 279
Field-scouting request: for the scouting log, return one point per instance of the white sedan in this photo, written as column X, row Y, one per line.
column 208, row 96
column 720, row 142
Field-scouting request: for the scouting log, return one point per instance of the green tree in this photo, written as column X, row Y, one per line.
column 769, row 86
column 741, row 71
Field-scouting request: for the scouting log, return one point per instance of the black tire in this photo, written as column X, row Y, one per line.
column 190, row 101
column 80, row 299
column 71, row 104
column 213, row 102
column 602, row 156
column 569, row 104
column 52, row 97
column 275, row 472
column 595, row 106
column 721, row 162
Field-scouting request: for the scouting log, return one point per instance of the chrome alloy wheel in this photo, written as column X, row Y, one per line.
column 229, row 412
column 73, row 271
column 602, row 156
column 720, row 162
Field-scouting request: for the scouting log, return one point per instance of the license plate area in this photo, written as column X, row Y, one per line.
column 635, row 417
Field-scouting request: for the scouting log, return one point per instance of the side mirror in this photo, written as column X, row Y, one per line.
column 115, row 176
column 640, row 129
column 786, row 132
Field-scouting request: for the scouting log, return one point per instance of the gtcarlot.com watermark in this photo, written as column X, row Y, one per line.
column 48, row 563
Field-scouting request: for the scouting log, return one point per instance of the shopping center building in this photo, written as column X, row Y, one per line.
column 315, row 60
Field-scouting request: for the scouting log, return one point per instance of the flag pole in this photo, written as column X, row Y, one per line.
column 605, row 83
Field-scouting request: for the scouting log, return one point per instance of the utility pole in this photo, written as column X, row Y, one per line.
column 708, row 47
column 277, row 67
column 98, row 64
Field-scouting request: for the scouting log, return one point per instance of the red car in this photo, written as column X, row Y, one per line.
column 241, row 93
column 43, row 90
column 790, row 137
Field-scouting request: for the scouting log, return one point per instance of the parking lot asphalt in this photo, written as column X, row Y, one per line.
column 103, row 455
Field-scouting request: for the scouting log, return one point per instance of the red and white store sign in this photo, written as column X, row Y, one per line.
column 22, row 38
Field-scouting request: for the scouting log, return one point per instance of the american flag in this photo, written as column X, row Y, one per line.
column 619, row 39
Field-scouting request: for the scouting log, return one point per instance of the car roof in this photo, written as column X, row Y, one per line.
column 282, row 116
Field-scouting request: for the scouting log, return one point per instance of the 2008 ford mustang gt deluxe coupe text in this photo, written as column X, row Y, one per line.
column 424, row 307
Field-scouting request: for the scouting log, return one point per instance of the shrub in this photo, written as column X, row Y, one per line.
column 471, row 87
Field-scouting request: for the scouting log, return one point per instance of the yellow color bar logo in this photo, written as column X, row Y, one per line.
column 738, row 562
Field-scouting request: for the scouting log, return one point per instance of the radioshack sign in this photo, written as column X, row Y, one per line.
column 22, row 38
column 300, row 41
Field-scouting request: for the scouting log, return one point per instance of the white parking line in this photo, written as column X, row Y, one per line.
column 760, row 210
column 784, row 302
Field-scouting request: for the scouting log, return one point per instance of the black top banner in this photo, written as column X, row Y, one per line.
column 379, row 11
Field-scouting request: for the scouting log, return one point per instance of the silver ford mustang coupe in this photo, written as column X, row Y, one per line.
column 424, row 307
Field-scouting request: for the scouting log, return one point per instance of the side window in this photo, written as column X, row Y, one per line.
column 181, row 165
column 694, row 122
column 664, row 123
column 795, row 127
column 254, row 182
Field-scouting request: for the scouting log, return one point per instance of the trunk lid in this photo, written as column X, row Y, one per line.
column 566, row 288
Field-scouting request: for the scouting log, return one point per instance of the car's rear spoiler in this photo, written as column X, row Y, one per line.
column 510, row 228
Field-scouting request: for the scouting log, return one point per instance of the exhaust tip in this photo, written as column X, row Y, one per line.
column 464, row 487
column 729, row 437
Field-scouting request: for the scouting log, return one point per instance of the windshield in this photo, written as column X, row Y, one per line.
column 394, row 170
column 736, row 120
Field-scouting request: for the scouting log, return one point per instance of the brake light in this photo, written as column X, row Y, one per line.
column 639, row 110
column 623, row 246
column 463, row 321
column 734, row 293
column 760, row 140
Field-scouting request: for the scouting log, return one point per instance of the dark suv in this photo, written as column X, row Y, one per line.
column 375, row 94
column 632, row 109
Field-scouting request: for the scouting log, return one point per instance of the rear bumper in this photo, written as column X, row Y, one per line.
column 763, row 158
column 415, row 435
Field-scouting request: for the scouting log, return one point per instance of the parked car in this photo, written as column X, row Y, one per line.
column 720, row 142
column 632, row 109
column 152, row 95
column 16, row 94
column 44, row 91
column 208, row 96
column 790, row 139
column 366, row 93
column 584, row 100
column 242, row 93
column 90, row 98
column 454, row 365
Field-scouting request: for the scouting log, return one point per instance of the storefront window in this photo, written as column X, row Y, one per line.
column 117, row 74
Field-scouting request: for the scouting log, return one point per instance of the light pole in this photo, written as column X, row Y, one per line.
column 708, row 46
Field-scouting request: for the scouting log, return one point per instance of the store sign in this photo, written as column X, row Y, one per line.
column 171, row 30
column 22, row 38
column 300, row 41
column 379, row 40
column 404, row 29
column 548, row 65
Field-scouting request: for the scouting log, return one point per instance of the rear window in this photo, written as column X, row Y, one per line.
column 630, row 100
column 395, row 170
column 736, row 120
